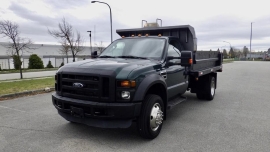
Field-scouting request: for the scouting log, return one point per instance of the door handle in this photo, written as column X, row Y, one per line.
column 163, row 73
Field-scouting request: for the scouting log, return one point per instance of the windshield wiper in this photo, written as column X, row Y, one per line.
column 106, row 56
column 132, row 57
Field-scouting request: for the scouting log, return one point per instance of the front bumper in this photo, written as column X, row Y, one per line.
column 97, row 114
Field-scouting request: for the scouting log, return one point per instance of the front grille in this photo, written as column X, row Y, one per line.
column 85, row 87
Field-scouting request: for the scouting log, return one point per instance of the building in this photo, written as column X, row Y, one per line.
column 45, row 51
column 257, row 55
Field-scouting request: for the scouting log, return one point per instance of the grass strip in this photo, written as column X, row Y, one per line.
column 227, row 60
column 26, row 70
column 25, row 85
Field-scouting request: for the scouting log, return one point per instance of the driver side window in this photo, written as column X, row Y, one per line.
column 173, row 51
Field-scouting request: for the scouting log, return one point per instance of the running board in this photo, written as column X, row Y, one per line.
column 175, row 102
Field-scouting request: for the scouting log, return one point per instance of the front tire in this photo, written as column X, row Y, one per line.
column 150, row 121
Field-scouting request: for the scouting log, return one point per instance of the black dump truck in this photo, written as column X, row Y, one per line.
column 137, row 78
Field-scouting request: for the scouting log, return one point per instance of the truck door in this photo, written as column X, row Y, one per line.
column 176, row 81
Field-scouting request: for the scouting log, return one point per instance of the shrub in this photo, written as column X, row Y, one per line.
column 62, row 64
column 49, row 65
column 35, row 62
column 17, row 62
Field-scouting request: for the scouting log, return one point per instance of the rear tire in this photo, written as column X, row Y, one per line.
column 211, row 89
column 207, row 88
column 150, row 121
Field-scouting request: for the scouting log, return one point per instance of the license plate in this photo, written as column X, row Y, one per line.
column 77, row 112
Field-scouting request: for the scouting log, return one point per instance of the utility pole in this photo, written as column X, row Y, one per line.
column 94, row 34
column 90, row 43
column 250, row 42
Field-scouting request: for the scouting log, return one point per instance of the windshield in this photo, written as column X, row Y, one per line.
column 137, row 47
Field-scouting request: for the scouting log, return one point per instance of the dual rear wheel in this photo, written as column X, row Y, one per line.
column 207, row 88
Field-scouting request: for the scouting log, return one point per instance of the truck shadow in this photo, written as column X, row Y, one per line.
column 125, row 136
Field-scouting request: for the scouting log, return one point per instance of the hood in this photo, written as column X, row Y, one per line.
column 117, row 66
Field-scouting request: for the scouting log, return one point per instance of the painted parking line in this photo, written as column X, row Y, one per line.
column 11, row 109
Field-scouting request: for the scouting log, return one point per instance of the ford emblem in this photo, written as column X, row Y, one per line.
column 78, row 85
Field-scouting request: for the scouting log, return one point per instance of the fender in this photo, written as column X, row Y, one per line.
column 147, row 82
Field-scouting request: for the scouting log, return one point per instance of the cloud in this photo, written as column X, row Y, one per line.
column 36, row 26
column 66, row 4
column 213, row 25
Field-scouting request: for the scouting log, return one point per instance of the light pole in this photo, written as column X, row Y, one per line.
column 90, row 43
column 222, row 47
column 110, row 15
column 250, row 41
column 230, row 46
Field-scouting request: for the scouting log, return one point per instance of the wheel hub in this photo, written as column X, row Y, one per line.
column 156, row 117
column 212, row 88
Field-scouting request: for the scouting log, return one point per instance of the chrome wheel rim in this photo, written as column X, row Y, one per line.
column 156, row 117
column 212, row 88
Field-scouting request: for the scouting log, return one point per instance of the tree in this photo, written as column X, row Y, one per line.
column 18, row 44
column 245, row 51
column 66, row 35
column 35, row 62
column 231, row 53
column 99, row 47
column 64, row 49
column 49, row 65
column 17, row 62
column 225, row 54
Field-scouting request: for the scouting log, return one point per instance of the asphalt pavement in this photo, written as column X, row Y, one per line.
column 12, row 76
column 238, row 119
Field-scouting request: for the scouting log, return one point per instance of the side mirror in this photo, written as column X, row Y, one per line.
column 94, row 54
column 186, row 58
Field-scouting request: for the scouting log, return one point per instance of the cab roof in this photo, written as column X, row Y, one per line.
column 185, row 33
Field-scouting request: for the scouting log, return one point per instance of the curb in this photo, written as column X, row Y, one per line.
column 12, row 95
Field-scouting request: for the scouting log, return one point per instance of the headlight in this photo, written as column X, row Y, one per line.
column 125, row 94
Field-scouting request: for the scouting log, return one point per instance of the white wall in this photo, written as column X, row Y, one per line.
column 4, row 63
column 56, row 62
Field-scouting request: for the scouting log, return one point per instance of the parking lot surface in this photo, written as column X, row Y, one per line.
column 238, row 119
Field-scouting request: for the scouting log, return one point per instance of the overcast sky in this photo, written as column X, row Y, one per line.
column 214, row 21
